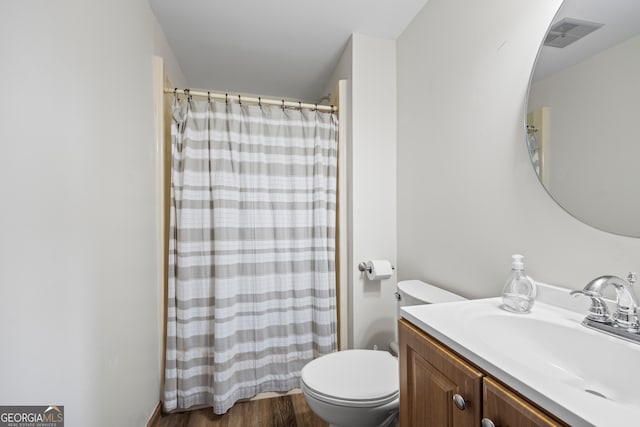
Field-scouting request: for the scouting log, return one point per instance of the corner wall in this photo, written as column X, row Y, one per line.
column 78, row 267
column 369, row 64
column 373, row 190
column 467, row 195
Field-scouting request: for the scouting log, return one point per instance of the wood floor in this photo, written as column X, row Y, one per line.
column 284, row 411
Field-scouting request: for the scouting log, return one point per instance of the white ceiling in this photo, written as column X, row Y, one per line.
column 621, row 19
column 288, row 48
column 279, row 48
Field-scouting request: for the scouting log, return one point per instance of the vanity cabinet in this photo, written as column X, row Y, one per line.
column 430, row 377
column 439, row 388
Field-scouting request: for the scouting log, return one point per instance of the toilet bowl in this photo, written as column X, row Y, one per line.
column 356, row 388
column 361, row 388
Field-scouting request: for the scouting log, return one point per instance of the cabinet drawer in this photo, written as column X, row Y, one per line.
column 505, row 408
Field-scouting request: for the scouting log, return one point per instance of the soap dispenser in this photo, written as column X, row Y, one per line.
column 519, row 292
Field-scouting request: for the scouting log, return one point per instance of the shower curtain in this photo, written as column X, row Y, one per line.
column 251, row 294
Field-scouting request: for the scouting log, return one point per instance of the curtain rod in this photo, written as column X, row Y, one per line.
column 259, row 100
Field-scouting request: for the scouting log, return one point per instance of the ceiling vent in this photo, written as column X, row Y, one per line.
column 567, row 31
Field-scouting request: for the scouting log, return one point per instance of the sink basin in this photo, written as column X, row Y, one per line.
column 565, row 350
column 583, row 376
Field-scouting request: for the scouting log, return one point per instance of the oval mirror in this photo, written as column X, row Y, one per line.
column 583, row 113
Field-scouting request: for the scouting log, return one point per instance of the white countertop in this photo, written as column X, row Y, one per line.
column 546, row 355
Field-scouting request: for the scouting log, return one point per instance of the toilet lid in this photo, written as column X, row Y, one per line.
column 354, row 375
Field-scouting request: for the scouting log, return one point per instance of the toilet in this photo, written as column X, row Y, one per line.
column 361, row 388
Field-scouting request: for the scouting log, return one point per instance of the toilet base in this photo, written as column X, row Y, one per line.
column 344, row 416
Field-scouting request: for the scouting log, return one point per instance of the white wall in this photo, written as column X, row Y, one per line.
column 369, row 64
column 343, row 69
column 78, row 268
column 162, row 49
column 373, row 189
column 467, row 195
column 593, row 150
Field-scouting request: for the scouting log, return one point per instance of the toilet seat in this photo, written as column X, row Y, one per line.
column 348, row 403
column 355, row 378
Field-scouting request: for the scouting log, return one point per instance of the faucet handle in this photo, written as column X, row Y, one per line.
column 626, row 315
column 598, row 312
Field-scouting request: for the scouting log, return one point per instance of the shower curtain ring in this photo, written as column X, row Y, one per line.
column 239, row 100
column 209, row 96
column 300, row 105
column 283, row 104
column 259, row 102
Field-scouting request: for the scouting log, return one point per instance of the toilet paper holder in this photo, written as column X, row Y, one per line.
column 363, row 267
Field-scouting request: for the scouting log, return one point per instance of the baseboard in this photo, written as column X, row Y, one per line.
column 154, row 420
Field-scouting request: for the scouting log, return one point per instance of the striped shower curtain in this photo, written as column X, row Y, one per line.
column 251, row 295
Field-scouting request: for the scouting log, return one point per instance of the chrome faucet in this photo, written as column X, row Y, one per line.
column 624, row 322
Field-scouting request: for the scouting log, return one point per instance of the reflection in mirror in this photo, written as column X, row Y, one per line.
column 583, row 113
column 534, row 146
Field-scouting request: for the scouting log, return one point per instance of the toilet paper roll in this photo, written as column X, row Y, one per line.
column 379, row 269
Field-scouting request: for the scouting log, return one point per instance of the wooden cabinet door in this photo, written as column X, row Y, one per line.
column 430, row 376
column 506, row 409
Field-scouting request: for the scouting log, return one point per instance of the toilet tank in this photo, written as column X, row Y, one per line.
column 416, row 292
